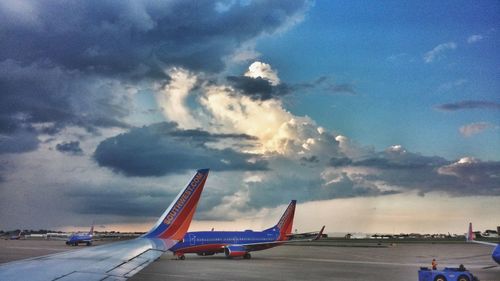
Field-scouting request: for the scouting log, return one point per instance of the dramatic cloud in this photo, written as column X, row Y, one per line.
column 470, row 104
column 162, row 149
column 83, row 63
column 142, row 92
column 475, row 176
column 474, row 38
column 137, row 38
column 405, row 171
column 173, row 98
column 438, row 51
column 474, row 128
column 41, row 98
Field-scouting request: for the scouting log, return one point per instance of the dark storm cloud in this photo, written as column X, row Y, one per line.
column 291, row 186
column 162, row 149
column 42, row 93
column 198, row 135
column 262, row 89
column 324, row 84
column 72, row 147
column 470, row 104
column 113, row 201
column 139, row 37
column 258, row 88
column 339, row 162
column 71, row 63
column 342, row 89
column 131, row 201
column 425, row 174
column 473, row 178
column 20, row 140
column 311, row 159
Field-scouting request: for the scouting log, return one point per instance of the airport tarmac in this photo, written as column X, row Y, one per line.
column 398, row 262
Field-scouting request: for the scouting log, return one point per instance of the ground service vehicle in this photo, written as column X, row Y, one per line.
column 447, row 274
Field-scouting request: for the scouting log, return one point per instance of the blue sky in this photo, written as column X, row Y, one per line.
column 385, row 108
column 379, row 48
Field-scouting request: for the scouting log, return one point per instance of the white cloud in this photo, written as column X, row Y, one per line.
column 474, row 38
column 438, row 51
column 172, row 98
column 474, row 128
column 399, row 149
column 264, row 71
column 448, row 86
column 282, row 133
column 245, row 53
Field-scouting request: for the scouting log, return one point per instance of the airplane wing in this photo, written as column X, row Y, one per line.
column 115, row 261
column 264, row 245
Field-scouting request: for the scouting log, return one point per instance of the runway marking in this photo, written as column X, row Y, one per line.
column 417, row 265
column 36, row 248
column 189, row 277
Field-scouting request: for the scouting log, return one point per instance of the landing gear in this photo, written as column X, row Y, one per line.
column 180, row 256
column 89, row 243
column 247, row 256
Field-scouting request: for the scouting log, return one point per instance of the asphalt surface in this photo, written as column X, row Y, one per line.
column 397, row 262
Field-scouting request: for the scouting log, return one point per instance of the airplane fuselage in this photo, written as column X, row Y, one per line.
column 76, row 239
column 212, row 242
column 496, row 254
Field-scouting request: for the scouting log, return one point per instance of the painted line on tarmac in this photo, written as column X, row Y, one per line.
column 37, row 248
column 188, row 277
column 418, row 265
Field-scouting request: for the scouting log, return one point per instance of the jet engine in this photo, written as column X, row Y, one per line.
column 234, row 251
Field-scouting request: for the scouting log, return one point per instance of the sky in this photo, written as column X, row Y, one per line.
column 376, row 116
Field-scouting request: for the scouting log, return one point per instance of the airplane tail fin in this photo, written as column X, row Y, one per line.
column 285, row 223
column 470, row 234
column 320, row 233
column 91, row 231
column 175, row 221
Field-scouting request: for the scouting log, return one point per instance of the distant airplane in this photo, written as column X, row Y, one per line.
column 495, row 255
column 16, row 237
column 77, row 238
column 240, row 243
column 120, row 260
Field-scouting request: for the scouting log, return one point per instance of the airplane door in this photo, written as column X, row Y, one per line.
column 192, row 240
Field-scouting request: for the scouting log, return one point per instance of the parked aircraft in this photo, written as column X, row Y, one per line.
column 120, row 260
column 495, row 255
column 16, row 237
column 84, row 238
column 240, row 243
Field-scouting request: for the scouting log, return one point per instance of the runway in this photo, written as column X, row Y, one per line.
column 398, row 262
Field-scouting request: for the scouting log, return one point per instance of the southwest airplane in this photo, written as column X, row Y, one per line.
column 120, row 260
column 78, row 238
column 241, row 243
column 17, row 237
column 495, row 255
